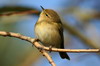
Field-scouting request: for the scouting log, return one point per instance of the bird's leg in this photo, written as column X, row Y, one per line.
column 50, row 48
column 35, row 41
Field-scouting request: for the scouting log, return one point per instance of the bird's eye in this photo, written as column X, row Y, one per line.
column 46, row 15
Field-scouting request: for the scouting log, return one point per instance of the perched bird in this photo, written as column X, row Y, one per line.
column 49, row 30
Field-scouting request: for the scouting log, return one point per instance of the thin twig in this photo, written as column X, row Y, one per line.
column 24, row 12
column 48, row 57
column 37, row 45
column 67, row 50
column 75, row 32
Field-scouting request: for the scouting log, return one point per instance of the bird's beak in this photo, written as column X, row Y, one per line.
column 44, row 11
column 42, row 8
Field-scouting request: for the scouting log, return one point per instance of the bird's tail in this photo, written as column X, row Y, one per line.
column 64, row 55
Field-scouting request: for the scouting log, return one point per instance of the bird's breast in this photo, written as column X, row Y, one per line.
column 48, row 34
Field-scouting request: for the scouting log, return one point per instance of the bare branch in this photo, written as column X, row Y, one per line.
column 24, row 12
column 67, row 50
column 31, row 40
column 39, row 46
column 48, row 57
column 77, row 33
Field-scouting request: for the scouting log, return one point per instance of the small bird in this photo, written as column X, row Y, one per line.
column 49, row 30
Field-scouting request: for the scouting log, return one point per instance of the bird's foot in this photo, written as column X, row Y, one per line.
column 35, row 41
column 50, row 48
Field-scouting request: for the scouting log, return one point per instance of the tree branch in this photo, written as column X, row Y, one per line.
column 24, row 12
column 39, row 46
column 48, row 57
column 31, row 40
column 75, row 32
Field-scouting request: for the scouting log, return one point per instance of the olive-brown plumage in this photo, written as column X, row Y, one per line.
column 49, row 30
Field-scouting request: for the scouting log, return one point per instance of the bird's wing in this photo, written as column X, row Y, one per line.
column 61, row 34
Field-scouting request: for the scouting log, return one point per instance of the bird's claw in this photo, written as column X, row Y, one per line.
column 35, row 41
column 50, row 48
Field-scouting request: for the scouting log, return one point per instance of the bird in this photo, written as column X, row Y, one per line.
column 49, row 30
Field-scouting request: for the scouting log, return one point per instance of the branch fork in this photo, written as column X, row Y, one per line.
column 44, row 49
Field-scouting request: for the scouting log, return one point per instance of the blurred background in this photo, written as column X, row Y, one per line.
column 81, row 19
